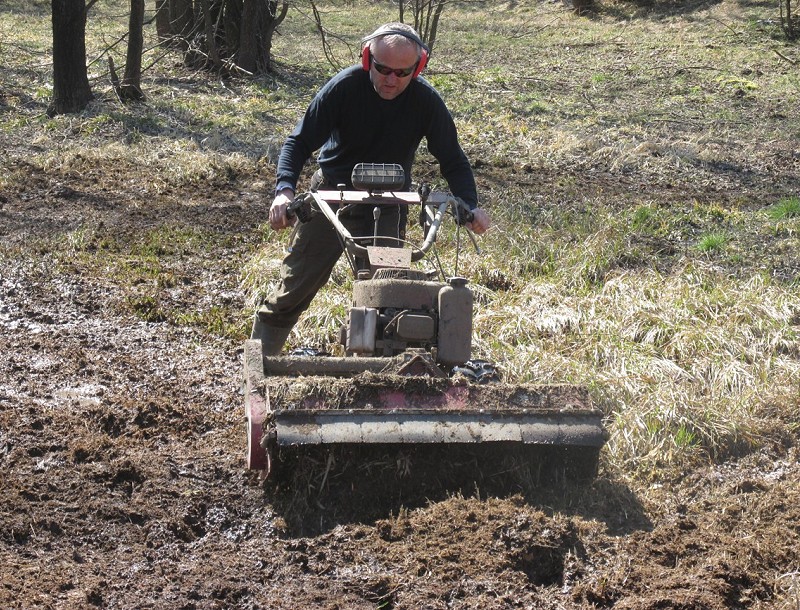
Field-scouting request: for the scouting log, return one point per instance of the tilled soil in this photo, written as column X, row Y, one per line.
column 123, row 480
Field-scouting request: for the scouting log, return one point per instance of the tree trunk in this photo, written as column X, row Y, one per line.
column 181, row 17
column 132, row 81
column 163, row 28
column 274, row 20
column 232, row 23
column 435, row 25
column 71, row 90
column 427, row 14
column 210, row 31
column 224, row 30
column 248, row 37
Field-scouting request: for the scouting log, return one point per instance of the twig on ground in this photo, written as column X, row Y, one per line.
column 782, row 56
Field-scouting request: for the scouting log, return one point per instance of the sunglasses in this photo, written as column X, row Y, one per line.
column 398, row 72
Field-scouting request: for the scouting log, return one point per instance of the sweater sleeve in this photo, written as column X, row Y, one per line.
column 308, row 135
column 443, row 144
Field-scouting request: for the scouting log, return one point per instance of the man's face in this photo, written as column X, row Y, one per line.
column 394, row 58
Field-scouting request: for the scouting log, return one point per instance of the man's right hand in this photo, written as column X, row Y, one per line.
column 277, row 211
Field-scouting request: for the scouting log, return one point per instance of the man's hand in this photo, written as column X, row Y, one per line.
column 277, row 212
column 480, row 221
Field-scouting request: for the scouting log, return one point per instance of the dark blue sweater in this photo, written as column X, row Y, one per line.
column 350, row 123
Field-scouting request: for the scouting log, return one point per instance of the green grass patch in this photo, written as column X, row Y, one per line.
column 712, row 242
column 214, row 321
column 785, row 209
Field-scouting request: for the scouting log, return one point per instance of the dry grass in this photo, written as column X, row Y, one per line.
column 788, row 591
column 685, row 366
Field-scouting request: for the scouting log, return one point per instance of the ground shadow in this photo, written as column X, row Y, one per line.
column 649, row 9
column 26, row 7
column 321, row 488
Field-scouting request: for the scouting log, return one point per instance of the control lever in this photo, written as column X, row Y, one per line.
column 462, row 212
column 300, row 207
column 463, row 215
column 376, row 214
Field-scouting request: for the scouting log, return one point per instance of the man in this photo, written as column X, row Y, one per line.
column 376, row 112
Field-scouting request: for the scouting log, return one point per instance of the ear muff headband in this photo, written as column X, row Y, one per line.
column 366, row 58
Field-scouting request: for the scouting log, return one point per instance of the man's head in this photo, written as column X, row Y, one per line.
column 394, row 54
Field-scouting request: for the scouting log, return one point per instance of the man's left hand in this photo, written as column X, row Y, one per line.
column 480, row 221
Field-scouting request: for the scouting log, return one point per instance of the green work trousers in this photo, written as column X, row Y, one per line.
column 314, row 252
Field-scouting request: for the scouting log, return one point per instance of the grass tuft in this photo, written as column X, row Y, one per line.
column 712, row 242
column 785, row 209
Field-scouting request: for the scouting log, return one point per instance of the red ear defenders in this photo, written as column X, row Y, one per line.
column 366, row 57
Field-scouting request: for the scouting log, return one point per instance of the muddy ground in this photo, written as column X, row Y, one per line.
column 123, row 479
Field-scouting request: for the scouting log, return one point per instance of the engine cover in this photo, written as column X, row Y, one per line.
column 393, row 293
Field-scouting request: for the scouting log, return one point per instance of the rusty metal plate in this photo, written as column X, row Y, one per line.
column 393, row 258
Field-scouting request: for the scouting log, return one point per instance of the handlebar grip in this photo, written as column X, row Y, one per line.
column 462, row 212
column 300, row 207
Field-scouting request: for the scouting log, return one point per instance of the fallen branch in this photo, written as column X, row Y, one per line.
column 782, row 56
